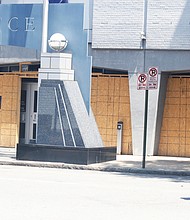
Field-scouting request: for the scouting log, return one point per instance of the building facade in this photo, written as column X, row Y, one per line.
column 134, row 36
column 125, row 39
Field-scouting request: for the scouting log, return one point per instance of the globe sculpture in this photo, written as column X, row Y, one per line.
column 58, row 42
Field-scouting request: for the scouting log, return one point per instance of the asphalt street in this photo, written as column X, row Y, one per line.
column 29, row 193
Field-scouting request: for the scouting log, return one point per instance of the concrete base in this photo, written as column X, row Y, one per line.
column 72, row 155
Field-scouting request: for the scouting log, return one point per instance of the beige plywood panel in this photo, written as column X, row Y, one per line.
column 7, row 80
column 93, row 92
column 174, row 84
column 187, row 124
column 173, row 111
column 174, row 94
column 187, row 150
column 110, row 106
column 102, row 83
column 117, row 87
column 102, row 92
column 173, row 123
column 173, row 140
column 110, row 123
column 10, row 111
column 124, row 87
column 102, row 109
column 163, row 140
column 111, row 86
column 163, row 147
column 102, row 98
column 172, row 100
column 5, row 140
column 175, row 131
column 94, row 83
column 183, row 111
column 101, row 121
column 173, row 149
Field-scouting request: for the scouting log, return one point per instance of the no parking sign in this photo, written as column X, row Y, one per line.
column 152, row 78
column 148, row 80
column 142, row 81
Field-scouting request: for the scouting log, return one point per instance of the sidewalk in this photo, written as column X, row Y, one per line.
column 179, row 166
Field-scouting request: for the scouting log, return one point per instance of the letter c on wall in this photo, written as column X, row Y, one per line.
column 13, row 26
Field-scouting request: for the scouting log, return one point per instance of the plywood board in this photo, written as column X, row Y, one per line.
column 175, row 131
column 10, row 111
column 112, row 105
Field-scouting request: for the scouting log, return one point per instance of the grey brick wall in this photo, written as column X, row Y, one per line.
column 118, row 24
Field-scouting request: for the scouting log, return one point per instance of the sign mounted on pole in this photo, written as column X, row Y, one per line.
column 142, row 81
column 152, row 78
column 147, row 81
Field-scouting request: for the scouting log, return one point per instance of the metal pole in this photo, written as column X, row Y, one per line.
column 45, row 26
column 146, row 91
column 145, row 128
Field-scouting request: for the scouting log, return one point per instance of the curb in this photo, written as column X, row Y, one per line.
column 96, row 168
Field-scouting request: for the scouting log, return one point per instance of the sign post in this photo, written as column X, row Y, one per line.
column 145, row 128
column 147, row 82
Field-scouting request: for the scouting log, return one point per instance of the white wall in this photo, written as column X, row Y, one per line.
column 118, row 24
column 168, row 24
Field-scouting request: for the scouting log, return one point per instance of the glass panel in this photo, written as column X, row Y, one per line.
column 34, row 131
column 14, row 68
column 30, row 67
column 108, row 71
column 35, row 100
column 23, row 101
column 3, row 68
column 24, row 68
column 33, row 67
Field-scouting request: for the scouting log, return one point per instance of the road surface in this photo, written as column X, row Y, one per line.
column 28, row 193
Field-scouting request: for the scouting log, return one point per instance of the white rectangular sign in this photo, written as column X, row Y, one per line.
column 148, row 81
column 152, row 78
column 142, row 81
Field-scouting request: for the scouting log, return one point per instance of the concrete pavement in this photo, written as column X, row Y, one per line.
column 125, row 163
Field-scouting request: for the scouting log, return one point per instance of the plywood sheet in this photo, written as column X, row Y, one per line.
column 110, row 104
column 10, row 110
column 175, row 131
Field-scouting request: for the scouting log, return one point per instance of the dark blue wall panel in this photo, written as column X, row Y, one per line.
column 21, row 25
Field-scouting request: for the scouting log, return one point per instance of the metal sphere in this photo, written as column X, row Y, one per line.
column 57, row 42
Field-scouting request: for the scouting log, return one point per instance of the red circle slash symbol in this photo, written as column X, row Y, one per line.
column 153, row 72
column 142, row 78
